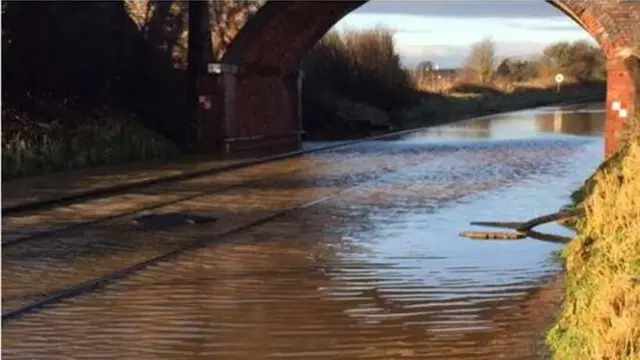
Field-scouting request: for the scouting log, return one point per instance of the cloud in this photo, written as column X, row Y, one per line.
column 519, row 48
column 443, row 55
column 465, row 8
column 567, row 27
column 545, row 25
column 393, row 29
column 410, row 30
column 453, row 56
column 428, row 50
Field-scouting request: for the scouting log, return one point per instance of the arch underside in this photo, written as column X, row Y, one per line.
column 262, row 96
column 610, row 23
column 282, row 32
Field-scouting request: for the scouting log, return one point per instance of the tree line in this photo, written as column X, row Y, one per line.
column 580, row 60
column 351, row 73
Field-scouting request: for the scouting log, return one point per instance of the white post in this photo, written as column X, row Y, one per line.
column 559, row 80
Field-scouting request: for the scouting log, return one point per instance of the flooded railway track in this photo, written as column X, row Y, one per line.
column 42, row 286
column 44, row 299
column 165, row 190
column 59, row 260
column 345, row 254
column 79, row 218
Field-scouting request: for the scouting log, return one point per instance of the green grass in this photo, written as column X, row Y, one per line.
column 95, row 144
column 600, row 318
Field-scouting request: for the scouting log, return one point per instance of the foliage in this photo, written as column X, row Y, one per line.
column 600, row 318
column 85, row 57
column 481, row 60
column 580, row 62
column 358, row 66
column 102, row 58
column 517, row 70
column 354, row 80
column 100, row 141
column 425, row 66
column 602, row 258
column 579, row 59
column 227, row 18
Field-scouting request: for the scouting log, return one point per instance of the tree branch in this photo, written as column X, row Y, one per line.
column 523, row 229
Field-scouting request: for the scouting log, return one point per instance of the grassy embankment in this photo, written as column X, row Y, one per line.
column 600, row 318
column 353, row 80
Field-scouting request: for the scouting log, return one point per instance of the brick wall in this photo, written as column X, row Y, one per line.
column 621, row 90
column 268, row 50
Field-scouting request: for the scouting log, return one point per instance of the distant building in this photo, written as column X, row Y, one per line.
column 436, row 72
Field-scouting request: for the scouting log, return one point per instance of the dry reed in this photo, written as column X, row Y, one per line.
column 601, row 314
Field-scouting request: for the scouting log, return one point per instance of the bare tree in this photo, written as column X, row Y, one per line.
column 227, row 18
column 481, row 60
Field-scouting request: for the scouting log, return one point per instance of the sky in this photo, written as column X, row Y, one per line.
column 442, row 31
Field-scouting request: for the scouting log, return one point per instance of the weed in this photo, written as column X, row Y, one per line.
column 601, row 314
column 89, row 145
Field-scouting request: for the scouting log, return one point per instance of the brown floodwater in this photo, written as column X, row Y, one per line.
column 375, row 271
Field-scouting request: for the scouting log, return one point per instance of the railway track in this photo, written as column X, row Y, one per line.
column 47, row 299
column 78, row 236
column 34, row 206
column 29, row 208
column 40, row 235
column 105, row 274
column 73, row 200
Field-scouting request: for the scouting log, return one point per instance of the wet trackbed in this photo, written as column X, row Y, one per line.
column 371, row 267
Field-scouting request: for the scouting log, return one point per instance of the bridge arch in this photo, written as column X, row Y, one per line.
column 256, row 98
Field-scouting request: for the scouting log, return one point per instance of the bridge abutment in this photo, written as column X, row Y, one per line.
column 622, row 97
column 244, row 108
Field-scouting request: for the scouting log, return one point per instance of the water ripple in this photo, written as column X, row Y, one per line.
column 377, row 273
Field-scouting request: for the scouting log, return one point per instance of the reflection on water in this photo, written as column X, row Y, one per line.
column 582, row 120
column 585, row 121
column 376, row 273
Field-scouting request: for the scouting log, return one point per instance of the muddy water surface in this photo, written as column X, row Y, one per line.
column 377, row 272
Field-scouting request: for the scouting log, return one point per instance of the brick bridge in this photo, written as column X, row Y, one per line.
column 253, row 98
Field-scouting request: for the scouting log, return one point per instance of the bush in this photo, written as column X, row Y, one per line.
column 579, row 59
column 357, row 66
column 45, row 148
